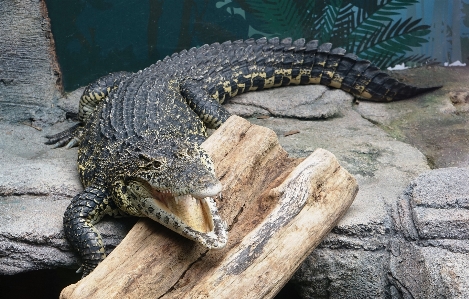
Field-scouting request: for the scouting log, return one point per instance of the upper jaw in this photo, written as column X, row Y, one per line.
column 210, row 191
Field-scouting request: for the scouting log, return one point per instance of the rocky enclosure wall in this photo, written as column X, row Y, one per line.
column 30, row 77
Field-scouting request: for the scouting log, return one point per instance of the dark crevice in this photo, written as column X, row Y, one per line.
column 37, row 284
column 181, row 277
column 30, row 193
column 400, row 287
column 374, row 122
column 235, row 219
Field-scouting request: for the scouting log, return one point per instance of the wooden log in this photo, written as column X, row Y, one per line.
column 278, row 209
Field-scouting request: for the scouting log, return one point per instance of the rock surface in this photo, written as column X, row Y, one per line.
column 30, row 78
column 430, row 248
column 436, row 123
column 318, row 103
column 426, row 248
column 36, row 185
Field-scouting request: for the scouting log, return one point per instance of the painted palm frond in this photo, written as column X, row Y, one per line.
column 393, row 39
column 373, row 31
column 369, row 21
column 334, row 23
column 329, row 19
column 381, row 37
column 286, row 18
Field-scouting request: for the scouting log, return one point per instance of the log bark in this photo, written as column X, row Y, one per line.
column 278, row 209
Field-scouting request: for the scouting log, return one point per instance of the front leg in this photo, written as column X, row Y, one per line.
column 210, row 111
column 85, row 210
column 92, row 96
column 68, row 138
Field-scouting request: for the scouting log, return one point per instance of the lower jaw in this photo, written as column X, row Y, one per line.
column 195, row 219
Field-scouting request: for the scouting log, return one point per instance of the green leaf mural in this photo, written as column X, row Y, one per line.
column 373, row 31
column 286, row 18
column 94, row 38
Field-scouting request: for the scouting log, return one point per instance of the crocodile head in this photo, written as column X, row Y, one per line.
column 174, row 184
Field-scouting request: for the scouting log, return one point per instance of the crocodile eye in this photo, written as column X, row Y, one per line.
column 149, row 163
column 157, row 164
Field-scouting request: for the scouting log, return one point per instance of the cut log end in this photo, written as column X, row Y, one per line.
column 278, row 210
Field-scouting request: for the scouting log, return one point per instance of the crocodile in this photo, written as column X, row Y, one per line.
column 139, row 134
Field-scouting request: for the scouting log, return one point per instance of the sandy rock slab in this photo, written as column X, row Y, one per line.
column 300, row 102
column 435, row 123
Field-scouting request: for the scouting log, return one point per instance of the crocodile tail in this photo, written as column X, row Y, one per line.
column 396, row 91
column 311, row 63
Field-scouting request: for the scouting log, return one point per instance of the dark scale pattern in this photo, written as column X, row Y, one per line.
column 86, row 209
column 158, row 116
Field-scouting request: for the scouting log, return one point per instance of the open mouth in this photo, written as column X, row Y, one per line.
column 195, row 216
column 192, row 211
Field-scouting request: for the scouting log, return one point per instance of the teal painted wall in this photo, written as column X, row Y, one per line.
column 95, row 37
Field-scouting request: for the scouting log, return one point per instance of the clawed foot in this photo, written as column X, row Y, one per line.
column 85, row 269
column 68, row 138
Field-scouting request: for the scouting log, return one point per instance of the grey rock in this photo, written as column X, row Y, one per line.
column 29, row 73
column 428, row 272
column 435, row 123
column 36, row 186
column 430, row 251
column 424, row 251
column 32, row 238
column 70, row 101
column 345, row 273
column 305, row 102
column 435, row 207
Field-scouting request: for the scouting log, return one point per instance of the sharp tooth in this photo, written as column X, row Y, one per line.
column 182, row 197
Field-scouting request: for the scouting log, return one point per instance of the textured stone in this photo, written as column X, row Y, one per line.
column 435, row 123
column 36, row 185
column 319, row 102
column 433, row 210
column 430, row 251
column 423, row 253
column 428, row 272
column 29, row 74
column 31, row 234
column 344, row 273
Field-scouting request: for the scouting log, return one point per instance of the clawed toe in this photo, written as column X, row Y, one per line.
column 68, row 138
